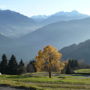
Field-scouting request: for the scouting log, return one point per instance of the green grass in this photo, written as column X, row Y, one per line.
column 41, row 81
column 83, row 71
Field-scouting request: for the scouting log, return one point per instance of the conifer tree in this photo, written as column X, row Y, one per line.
column 21, row 67
column 73, row 63
column 68, row 69
column 12, row 65
column 4, row 64
column 31, row 66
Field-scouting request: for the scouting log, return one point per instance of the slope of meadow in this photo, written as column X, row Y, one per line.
column 40, row 81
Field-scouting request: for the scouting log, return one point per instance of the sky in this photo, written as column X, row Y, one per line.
column 45, row 7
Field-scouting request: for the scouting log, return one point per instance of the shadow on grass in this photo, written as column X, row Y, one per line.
column 19, row 87
column 82, row 74
column 62, row 77
column 18, row 76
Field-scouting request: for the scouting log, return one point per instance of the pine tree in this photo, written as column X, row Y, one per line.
column 69, row 69
column 76, row 63
column 12, row 65
column 4, row 64
column 21, row 67
column 73, row 63
column 31, row 66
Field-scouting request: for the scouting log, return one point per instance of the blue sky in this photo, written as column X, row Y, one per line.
column 47, row 7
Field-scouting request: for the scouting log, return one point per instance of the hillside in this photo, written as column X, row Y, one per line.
column 77, row 51
column 4, row 40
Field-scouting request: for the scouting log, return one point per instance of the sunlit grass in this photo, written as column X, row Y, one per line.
column 43, row 82
column 83, row 71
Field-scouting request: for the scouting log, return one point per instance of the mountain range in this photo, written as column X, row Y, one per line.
column 59, row 16
column 57, row 33
column 13, row 24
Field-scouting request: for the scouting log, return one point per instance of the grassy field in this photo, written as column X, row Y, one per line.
column 40, row 81
column 83, row 71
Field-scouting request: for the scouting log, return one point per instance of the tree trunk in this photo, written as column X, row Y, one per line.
column 49, row 74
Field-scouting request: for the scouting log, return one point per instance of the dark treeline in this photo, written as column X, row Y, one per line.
column 12, row 67
column 71, row 66
column 73, row 63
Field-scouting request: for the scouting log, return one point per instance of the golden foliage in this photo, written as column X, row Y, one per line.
column 48, row 58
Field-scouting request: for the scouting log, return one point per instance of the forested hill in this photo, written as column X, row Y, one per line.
column 77, row 51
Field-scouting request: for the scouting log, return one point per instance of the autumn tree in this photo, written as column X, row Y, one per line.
column 48, row 58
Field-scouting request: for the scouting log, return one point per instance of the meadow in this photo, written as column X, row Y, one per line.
column 41, row 81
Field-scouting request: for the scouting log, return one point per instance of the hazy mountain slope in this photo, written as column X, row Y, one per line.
column 58, row 34
column 3, row 39
column 61, row 31
column 15, row 24
column 5, row 42
column 80, row 51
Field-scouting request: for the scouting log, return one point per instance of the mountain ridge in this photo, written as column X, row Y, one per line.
column 63, row 16
column 11, row 23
